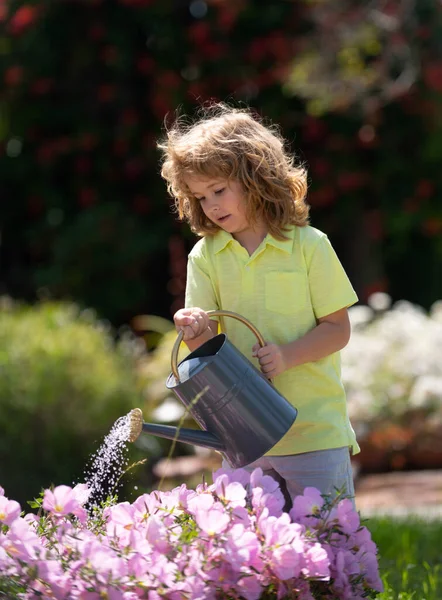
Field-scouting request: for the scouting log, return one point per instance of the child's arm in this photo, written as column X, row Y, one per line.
column 331, row 334
column 196, row 326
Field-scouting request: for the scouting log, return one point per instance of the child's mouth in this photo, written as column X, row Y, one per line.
column 223, row 219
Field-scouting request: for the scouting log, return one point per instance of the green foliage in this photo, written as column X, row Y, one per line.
column 85, row 212
column 410, row 557
column 63, row 382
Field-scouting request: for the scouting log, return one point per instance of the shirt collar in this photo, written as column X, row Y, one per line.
column 284, row 245
column 223, row 239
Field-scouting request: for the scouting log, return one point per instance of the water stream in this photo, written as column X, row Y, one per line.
column 104, row 472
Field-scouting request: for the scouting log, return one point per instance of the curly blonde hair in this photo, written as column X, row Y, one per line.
column 231, row 144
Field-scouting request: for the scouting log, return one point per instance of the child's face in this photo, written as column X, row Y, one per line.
column 222, row 202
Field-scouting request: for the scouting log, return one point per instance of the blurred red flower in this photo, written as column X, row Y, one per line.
column 425, row 188
column 13, row 76
column 199, row 33
column 22, row 19
column 374, row 223
column 96, row 32
column 87, row 197
column 324, row 196
column 83, row 165
column 145, row 65
column 41, row 86
column 87, row 141
column 433, row 76
column 350, row 181
column 432, row 226
column 106, row 92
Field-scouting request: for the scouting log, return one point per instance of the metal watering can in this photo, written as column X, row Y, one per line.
column 241, row 413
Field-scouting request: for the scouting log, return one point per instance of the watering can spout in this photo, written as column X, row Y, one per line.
column 196, row 437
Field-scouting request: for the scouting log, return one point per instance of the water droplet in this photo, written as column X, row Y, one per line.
column 108, row 463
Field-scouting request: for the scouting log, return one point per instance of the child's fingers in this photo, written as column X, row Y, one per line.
column 188, row 333
column 202, row 321
column 265, row 360
column 263, row 351
column 257, row 349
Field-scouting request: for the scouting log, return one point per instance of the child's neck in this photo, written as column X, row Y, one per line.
column 250, row 239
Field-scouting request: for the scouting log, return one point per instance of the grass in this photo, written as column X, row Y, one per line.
column 410, row 557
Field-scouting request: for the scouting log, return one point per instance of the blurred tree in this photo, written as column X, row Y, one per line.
column 356, row 54
column 88, row 83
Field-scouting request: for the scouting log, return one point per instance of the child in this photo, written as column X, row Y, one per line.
column 240, row 190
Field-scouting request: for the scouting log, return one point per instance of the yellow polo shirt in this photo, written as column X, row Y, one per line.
column 282, row 288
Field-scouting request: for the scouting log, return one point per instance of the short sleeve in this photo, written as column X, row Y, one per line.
column 330, row 287
column 199, row 286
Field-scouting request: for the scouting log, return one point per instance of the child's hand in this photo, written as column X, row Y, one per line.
column 191, row 321
column 271, row 359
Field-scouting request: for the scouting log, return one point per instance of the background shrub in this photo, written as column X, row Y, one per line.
column 63, row 382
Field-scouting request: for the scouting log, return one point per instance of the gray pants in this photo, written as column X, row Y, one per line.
column 326, row 470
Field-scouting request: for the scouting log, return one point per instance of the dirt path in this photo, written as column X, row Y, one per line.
column 401, row 493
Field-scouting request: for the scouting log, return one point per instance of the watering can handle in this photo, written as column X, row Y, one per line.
column 212, row 313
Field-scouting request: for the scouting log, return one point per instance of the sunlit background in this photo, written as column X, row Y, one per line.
column 93, row 259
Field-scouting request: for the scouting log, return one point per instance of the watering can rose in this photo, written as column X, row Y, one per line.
column 229, row 539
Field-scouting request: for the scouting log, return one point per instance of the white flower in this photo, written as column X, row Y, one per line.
column 379, row 301
column 427, row 392
column 360, row 315
column 393, row 363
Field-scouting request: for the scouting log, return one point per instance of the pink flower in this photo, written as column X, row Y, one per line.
column 273, row 501
column 310, row 503
column 348, row 519
column 243, row 548
column 240, row 514
column 239, row 475
column 152, row 546
column 361, row 540
column 345, row 566
column 213, row 520
column 156, row 534
column 203, row 501
column 60, row 502
column 316, row 562
column 9, row 510
column 197, row 589
column 120, row 516
column 267, row 483
column 234, row 493
column 22, row 542
column 59, row 582
column 175, row 500
column 278, row 531
column 368, row 564
column 106, row 564
column 286, row 563
column 250, row 588
column 144, row 506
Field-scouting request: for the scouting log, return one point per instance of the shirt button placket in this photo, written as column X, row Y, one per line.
column 248, row 282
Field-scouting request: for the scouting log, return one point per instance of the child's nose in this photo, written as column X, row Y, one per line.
column 214, row 204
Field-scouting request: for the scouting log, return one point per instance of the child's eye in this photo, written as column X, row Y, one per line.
column 218, row 192
column 200, row 199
